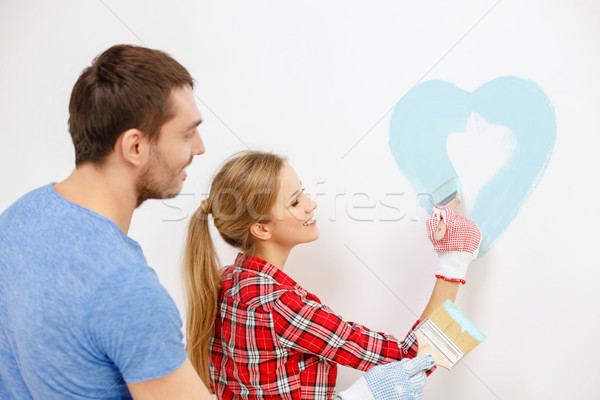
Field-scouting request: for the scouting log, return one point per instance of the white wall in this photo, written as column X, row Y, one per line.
column 316, row 81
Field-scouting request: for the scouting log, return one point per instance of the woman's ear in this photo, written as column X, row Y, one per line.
column 132, row 145
column 260, row 231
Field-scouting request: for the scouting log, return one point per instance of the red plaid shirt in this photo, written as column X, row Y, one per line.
column 274, row 340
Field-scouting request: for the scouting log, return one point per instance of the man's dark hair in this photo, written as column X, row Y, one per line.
column 125, row 87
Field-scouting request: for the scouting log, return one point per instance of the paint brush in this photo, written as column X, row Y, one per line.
column 446, row 192
column 448, row 335
column 440, row 232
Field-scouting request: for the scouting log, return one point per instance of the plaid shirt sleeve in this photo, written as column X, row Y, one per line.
column 306, row 325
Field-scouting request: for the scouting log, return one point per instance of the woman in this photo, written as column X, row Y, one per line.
column 265, row 336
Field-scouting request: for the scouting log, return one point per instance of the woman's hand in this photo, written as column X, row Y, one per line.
column 400, row 380
column 458, row 247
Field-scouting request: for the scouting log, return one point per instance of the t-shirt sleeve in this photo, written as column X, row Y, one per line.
column 134, row 324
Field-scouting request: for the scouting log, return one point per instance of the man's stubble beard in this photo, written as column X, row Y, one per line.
column 154, row 183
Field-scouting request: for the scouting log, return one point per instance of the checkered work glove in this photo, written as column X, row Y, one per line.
column 458, row 247
column 400, row 380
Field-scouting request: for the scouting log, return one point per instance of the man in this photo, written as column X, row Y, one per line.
column 82, row 315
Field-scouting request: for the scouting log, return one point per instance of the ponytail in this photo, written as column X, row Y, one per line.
column 253, row 177
column 202, row 283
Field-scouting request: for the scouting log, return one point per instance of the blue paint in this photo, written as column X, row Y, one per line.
column 464, row 322
column 423, row 119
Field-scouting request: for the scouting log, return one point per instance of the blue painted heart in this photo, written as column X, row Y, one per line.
column 423, row 119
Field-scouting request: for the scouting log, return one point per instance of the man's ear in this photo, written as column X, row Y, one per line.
column 133, row 144
column 260, row 231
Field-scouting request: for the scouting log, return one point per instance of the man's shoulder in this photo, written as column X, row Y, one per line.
column 27, row 201
column 42, row 219
column 56, row 242
column 45, row 208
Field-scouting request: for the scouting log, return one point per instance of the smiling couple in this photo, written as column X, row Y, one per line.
column 83, row 316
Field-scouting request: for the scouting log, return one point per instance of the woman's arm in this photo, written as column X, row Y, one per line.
column 456, row 249
column 442, row 291
column 305, row 325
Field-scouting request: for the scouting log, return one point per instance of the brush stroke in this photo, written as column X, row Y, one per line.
column 423, row 119
column 462, row 320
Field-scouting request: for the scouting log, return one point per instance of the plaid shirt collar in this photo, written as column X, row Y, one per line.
column 265, row 269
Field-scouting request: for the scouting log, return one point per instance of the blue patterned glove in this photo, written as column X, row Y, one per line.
column 401, row 380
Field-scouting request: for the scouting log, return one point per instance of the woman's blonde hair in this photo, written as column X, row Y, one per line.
column 243, row 192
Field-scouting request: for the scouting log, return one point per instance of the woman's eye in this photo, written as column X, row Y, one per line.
column 297, row 201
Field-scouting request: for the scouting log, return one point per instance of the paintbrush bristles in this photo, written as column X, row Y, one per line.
column 463, row 340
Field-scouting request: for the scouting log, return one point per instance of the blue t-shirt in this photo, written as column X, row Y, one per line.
column 81, row 312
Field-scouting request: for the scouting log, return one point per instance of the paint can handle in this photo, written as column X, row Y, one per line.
column 441, row 228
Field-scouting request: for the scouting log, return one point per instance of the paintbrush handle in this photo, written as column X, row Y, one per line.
column 440, row 232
